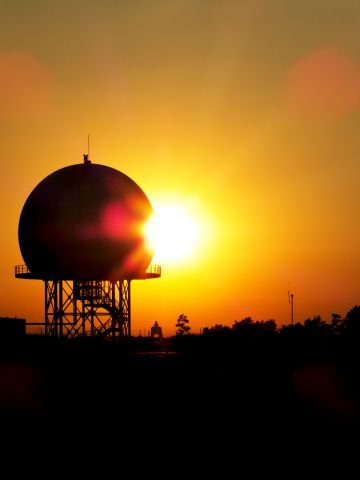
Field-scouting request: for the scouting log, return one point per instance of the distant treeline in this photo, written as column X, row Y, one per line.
column 350, row 324
column 337, row 333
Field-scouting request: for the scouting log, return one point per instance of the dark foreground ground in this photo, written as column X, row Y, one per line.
column 202, row 405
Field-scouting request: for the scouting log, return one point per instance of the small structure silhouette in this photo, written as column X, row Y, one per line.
column 156, row 331
column 12, row 327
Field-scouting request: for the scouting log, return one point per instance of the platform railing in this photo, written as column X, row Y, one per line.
column 21, row 270
column 154, row 269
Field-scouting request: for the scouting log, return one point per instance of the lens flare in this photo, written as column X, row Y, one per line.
column 324, row 85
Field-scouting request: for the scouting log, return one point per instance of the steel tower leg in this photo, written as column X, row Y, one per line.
column 124, row 318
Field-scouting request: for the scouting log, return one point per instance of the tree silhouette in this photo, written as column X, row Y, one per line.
column 337, row 323
column 317, row 326
column 243, row 325
column 217, row 330
column 352, row 321
column 247, row 325
column 182, row 327
column 296, row 329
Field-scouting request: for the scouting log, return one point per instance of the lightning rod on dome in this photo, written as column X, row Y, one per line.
column 87, row 155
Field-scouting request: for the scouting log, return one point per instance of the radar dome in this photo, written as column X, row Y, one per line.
column 85, row 222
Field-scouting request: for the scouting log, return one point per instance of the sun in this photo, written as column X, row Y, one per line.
column 173, row 233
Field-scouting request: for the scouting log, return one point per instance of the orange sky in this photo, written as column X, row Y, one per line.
column 248, row 110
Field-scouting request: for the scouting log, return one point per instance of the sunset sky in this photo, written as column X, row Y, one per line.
column 245, row 113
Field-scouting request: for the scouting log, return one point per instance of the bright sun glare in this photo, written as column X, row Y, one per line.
column 173, row 233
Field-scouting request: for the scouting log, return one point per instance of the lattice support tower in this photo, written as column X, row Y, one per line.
column 74, row 308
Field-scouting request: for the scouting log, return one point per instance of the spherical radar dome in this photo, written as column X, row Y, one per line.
column 85, row 222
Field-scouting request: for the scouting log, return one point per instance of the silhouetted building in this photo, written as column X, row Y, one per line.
column 156, row 331
column 12, row 327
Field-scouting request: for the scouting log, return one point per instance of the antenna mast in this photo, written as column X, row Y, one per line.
column 291, row 301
